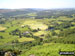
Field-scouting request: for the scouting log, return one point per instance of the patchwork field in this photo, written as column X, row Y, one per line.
column 32, row 14
column 57, row 31
column 24, row 39
column 38, row 37
column 35, row 25
column 2, row 28
column 40, row 33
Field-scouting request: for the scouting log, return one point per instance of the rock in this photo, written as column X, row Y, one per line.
column 32, row 55
column 8, row 54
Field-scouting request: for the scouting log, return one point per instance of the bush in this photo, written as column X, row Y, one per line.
column 1, row 37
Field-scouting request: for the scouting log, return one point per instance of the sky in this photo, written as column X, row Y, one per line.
column 16, row 4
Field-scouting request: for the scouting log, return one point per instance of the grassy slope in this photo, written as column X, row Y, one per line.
column 24, row 39
column 34, row 24
column 2, row 28
column 51, row 49
column 46, row 49
column 6, row 37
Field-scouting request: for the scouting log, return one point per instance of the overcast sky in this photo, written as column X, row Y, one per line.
column 15, row 4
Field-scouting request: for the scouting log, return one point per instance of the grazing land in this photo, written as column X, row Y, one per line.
column 38, row 33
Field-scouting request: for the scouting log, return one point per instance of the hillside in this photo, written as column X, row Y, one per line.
column 27, row 32
column 40, row 13
column 13, row 12
column 54, row 13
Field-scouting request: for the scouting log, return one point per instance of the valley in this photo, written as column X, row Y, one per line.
column 37, row 33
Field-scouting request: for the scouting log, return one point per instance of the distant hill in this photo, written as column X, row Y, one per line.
column 13, row 12
column 41, row 13
column 55, row 13
column 6, row 10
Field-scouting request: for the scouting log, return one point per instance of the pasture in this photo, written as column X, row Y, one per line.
column 2, row 28
column 35, row 25
column 49, row 49
column 25, row 39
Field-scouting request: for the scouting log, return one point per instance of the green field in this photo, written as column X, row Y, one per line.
column 35, row 25
column 2, row 28
column 24, row 39
column 38, row 37
column 49, row 49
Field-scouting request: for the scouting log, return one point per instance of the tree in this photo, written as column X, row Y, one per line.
column 1, row 37
column 54, row 33
column 34, row 30
column 41, row 39
column 38, row 29
column 48, row 36
column 20, row 36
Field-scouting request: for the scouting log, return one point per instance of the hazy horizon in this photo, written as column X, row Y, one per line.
column 43, row 4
